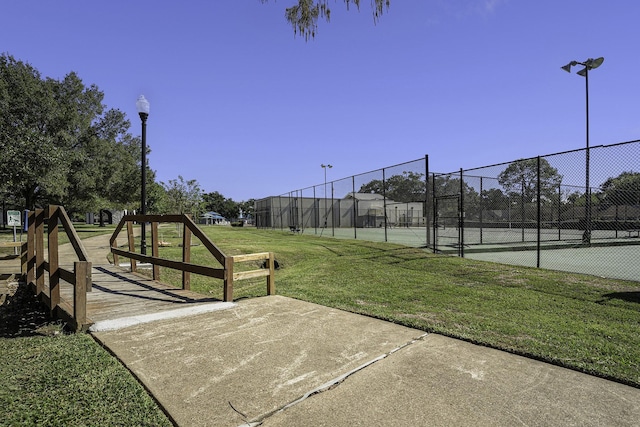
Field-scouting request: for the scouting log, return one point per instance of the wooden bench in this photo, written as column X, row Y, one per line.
column 14, row 245
column 11, row 244
column 294, row 229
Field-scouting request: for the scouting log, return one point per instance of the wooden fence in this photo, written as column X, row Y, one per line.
column 225, row 272
column 74, row 313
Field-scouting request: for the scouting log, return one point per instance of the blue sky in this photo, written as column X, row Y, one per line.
column 248, row 109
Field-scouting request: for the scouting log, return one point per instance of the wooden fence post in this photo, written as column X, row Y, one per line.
column 186, row 255
column 54, row 268
column 154, row 249
column 31, row 248
column 228, row 279
column 39, row 251
column 132, row 245
column 271, row 279
column 116, row 261
column 24, row 259
column 82, row 271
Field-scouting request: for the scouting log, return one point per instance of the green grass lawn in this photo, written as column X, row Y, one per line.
column 69, row 380
column 50, row 378
column 578, row 321
column 583, row 322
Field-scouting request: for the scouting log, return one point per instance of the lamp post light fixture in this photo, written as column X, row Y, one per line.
column 142, row 105
column 589, row 64
column 325, row 167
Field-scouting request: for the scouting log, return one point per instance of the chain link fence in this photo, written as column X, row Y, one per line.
column 388, row 205
column 576, row 211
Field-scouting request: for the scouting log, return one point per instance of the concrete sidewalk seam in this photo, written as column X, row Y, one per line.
column 329, row 385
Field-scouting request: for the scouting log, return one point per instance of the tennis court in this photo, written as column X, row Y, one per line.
column 614, row 254
column 618, row 262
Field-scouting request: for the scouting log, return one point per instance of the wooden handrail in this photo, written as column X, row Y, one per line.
column 190, row 229
column 75, row 241
column 75, row 312
column 217, row 273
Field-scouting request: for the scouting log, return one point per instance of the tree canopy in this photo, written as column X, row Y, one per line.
column 405, row 187
column 60, row 144
column 622, row 190
column 184, row 197
column 303, row 17
column 520, row 178
column 216, row 202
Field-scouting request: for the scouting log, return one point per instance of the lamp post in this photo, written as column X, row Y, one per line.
column 589, row 64
column 325, row 167
column 142, row 106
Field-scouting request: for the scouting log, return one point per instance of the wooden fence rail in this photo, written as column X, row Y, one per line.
column 73, row 312
column 225, row 272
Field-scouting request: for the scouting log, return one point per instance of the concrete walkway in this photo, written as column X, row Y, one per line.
column 276, row 361
column 97, row 248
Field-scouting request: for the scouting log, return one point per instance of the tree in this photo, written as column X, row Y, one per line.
column 622, row 190
column 407, row 187
column 105, row 173
column 227, row 207
column 58, row 143
column 184, row 197
column 303, row 17
column 34, row 134
column 218, row 203
column 157, row 198
column 494, row 198
column 520, row 179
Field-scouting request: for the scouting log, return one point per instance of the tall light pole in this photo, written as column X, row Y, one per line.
column 325, row 167
column 142, row 106
column 589, row 64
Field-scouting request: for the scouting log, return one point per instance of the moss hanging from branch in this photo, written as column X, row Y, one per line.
column 303, row 17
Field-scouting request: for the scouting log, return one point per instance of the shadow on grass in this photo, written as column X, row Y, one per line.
column 625, row 296
column 22, row 315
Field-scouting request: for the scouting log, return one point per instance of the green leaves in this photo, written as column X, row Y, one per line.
column 520, row 179
column 226, row 207
column 405, row 187
column 59, row 145
column 184, row 197
column 622, row 190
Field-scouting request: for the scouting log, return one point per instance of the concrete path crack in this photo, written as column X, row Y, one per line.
column 329, row 385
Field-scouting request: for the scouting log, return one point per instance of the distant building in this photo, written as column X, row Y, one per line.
column 105, row 216
column 213, row 218
column 354, row 210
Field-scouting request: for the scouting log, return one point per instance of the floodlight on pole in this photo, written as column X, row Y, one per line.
column 325, row 167
column 589, row 64
column 142, row 105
